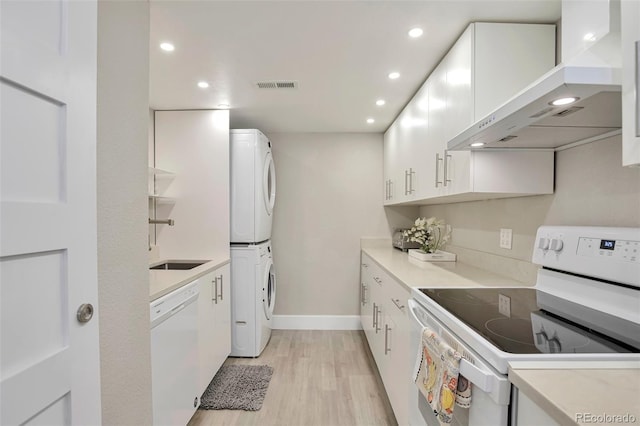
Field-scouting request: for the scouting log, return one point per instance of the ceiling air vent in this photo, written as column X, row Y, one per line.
column 280, row 84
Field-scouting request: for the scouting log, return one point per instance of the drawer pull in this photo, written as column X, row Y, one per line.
column 398, row 304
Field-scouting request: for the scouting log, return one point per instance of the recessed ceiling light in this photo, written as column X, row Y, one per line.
column 394, row 75
column 563, row 101
column 415, row 32
column 223, row 106
column 477, row 144
column 589, row 37
column 370, row 120
column 167, row 47
column 203, row 84
column 380, row 102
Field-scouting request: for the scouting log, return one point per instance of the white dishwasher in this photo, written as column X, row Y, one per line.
column 174, row 356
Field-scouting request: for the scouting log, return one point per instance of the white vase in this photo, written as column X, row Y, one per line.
column 438, row 256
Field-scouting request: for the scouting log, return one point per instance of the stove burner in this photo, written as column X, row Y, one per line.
column 464, row 298
column 515, row 330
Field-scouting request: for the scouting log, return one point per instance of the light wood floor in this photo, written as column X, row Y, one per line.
column 320, row 378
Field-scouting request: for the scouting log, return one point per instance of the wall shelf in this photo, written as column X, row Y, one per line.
column 161, row 198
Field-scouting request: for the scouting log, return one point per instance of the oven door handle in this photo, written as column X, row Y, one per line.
column 485, row 380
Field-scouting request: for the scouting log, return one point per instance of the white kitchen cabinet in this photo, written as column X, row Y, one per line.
column 392, row 164
column 366, row 305
column 528, row 413
column 396, row 347
column 214, row 324
column 406, row 150
column 386, row 325
column 488, row 64
column 630, row 34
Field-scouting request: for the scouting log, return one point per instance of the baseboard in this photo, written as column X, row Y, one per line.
column 316, row 322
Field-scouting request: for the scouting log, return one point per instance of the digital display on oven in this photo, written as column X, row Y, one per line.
column 607, row 244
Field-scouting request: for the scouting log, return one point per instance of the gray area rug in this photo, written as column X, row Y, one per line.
column 237, row 387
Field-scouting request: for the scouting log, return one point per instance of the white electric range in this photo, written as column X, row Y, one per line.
column 585, row 306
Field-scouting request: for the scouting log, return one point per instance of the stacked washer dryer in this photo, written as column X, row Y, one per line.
column 253, row 281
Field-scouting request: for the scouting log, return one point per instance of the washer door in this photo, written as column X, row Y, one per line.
column 269, row 289
column 269, row 183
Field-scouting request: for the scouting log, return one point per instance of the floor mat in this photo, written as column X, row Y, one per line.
column 237, row 387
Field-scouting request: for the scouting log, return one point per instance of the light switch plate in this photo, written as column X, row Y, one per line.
column 506, row 236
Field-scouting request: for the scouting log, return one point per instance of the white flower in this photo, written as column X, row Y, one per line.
column 430, row 233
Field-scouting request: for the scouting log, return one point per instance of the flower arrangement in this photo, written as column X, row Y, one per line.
column 430, row 233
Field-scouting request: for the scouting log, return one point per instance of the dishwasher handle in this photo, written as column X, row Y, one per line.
column 174, row 310
column 482, row 378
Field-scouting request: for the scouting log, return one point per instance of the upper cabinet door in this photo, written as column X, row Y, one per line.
column 630, row 11
column 392, row 189
column 458, row 69
column 420, row 148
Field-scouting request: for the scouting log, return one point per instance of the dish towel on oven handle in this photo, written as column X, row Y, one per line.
column 437, row 376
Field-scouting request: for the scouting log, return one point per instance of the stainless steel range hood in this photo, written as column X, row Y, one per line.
column 530, row 120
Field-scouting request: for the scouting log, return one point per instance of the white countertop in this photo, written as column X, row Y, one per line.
column 566, row 390
column 162, row 282
column 414, row 273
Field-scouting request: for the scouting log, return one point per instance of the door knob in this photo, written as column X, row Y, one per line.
column 85, row 312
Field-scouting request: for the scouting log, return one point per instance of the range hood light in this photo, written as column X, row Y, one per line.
column 563, row 101
column 477, row 144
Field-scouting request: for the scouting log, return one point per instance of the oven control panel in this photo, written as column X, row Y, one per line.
column 611, row 254
column 625, row 251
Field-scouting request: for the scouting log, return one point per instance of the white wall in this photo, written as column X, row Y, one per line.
column 123, row 277
column 591, row 188
column 329, row 195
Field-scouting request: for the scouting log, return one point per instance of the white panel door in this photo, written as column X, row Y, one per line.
column 49, row 363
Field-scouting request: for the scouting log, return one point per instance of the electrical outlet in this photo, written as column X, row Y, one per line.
column 504, row 305
column 506, row 236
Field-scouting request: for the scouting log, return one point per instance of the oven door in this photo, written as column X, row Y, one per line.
column 491, row 390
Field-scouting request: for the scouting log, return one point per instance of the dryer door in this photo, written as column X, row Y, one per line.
column 269, row 289
column 269, row 183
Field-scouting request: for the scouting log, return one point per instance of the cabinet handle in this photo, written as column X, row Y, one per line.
column 221, row 286
column 362, row 289
column 637, row 88
column 373, row 315
column 438, row 160
column 215, row 290
column 386, row 189
column 447, row 159
column 378, row 280
column 411, row 174
column 397, row 303
column 365, row 265
column 378, row 310
column 390, row 189
column 387, row 329
column 406, row 186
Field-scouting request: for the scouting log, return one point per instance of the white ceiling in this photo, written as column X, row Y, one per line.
column 339, row 52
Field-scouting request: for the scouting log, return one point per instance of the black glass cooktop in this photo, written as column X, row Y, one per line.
column 526, row 321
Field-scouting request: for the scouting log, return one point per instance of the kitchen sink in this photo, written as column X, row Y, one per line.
column 177, row 266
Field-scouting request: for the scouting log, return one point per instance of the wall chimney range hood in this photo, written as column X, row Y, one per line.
column 531, row 120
